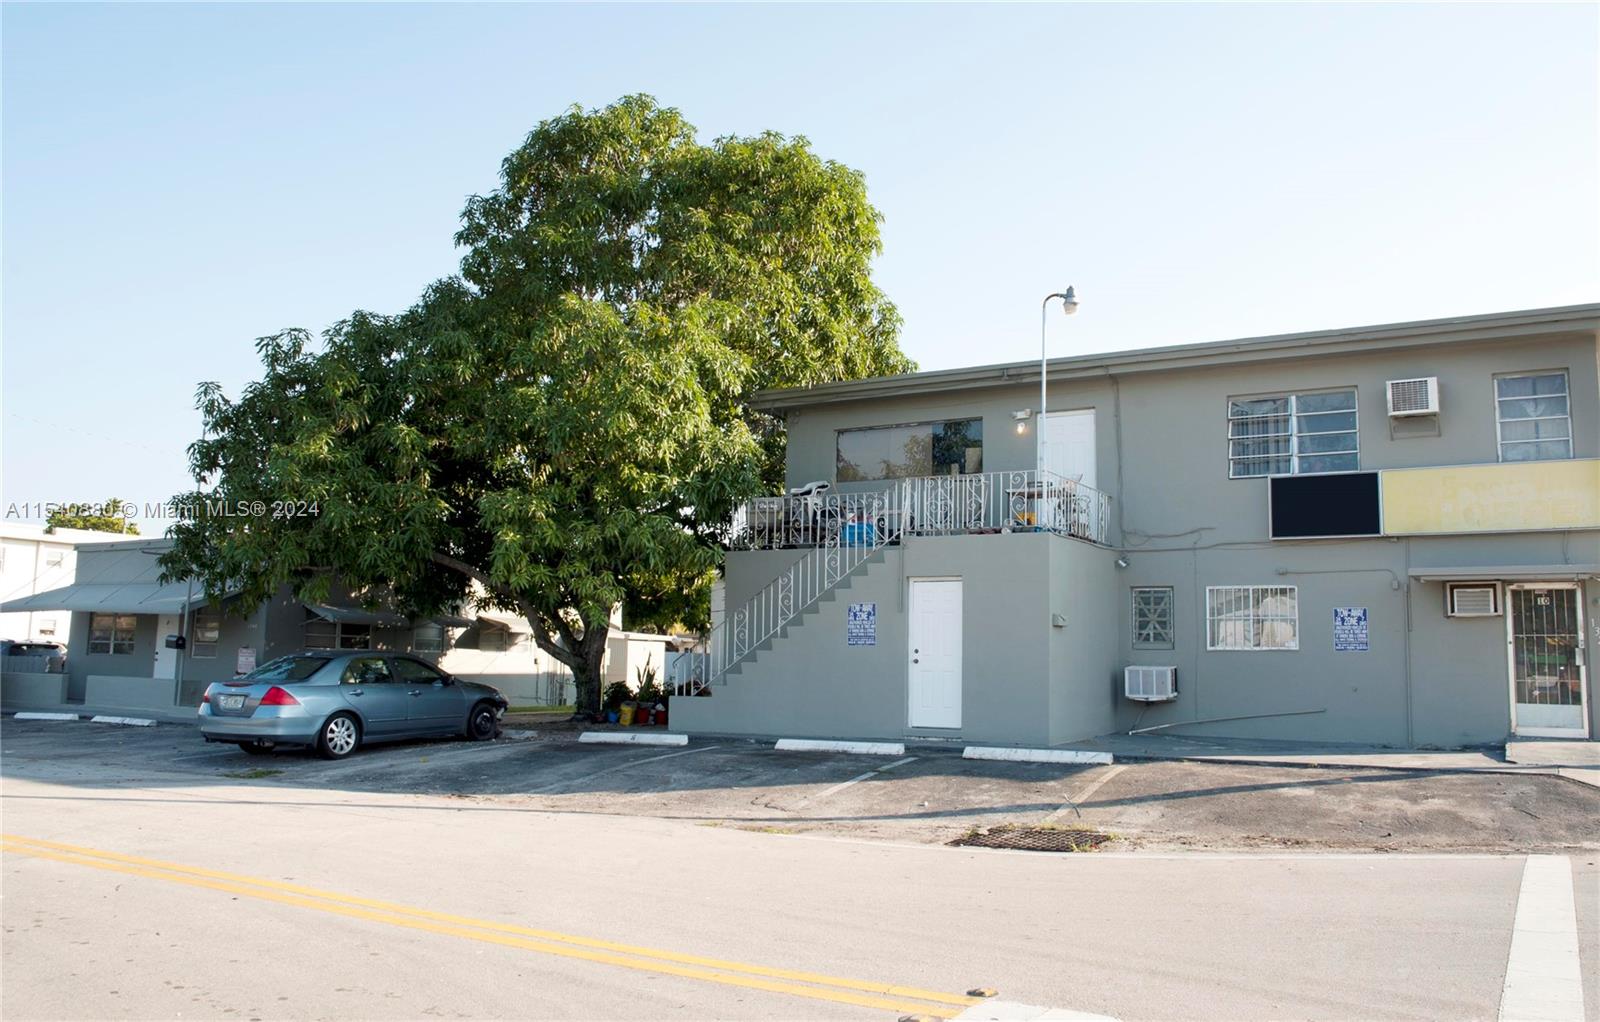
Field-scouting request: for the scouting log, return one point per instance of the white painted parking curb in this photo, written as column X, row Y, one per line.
column 46, row 716
column 1011, row 1011
column 855, row 748
column 130, row 721
column 631, row 738
column 1035, row 755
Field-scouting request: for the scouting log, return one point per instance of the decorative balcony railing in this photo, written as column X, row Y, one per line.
column 842, row 531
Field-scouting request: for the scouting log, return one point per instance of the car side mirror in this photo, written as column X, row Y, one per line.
column 448, row 679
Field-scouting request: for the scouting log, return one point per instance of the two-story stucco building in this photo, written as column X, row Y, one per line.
column 1385, row 535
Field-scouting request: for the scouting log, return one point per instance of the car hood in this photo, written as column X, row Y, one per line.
column 479, row 688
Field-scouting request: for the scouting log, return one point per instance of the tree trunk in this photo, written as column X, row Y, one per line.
column 591, row 651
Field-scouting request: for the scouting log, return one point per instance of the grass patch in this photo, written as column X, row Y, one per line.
column 569, row 709
column 253, row 774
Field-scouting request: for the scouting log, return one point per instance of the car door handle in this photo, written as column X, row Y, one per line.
column 355, row 691
column 415, row 692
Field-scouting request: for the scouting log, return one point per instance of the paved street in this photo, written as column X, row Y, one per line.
column 151, row 897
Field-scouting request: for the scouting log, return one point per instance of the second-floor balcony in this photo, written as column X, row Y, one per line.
column 949, row 505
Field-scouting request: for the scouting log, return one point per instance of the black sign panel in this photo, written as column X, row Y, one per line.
column 1339, row 504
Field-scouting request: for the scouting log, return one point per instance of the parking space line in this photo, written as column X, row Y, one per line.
column 1083, row 795
column 819, row 796
column 619, row 766
column 1543, row 977
column 815, row 986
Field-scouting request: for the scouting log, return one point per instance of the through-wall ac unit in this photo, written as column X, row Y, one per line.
column 1150, row 684
column 1413, row 397
column 1472, row 599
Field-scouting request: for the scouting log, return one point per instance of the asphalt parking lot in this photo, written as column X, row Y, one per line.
column 929, row 795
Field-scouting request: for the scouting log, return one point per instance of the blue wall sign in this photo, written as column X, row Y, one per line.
column 1350, row 630
column 861, row 624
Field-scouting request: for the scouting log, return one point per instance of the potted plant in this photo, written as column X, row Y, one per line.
column 612, row 699
column 649, row 693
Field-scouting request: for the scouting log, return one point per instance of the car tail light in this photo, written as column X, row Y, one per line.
column 278, row 697
column 205, row 697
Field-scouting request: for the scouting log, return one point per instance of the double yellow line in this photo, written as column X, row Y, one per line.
column 864, row 993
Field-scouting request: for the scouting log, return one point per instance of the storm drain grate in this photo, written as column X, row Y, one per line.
column 1034, row 839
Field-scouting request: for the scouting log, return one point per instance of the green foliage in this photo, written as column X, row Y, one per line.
column 567, row 424
column 104, row 517
column 616, row 694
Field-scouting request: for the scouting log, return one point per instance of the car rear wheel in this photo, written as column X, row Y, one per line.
column 482, row 724
column 339, row 737
column 259, row 747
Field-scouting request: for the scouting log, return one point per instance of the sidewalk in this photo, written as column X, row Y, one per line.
column 1575, row 760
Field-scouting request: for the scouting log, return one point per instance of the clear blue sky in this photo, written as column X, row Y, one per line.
column 178, row 180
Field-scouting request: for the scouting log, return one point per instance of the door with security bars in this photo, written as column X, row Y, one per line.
column 1549, row 689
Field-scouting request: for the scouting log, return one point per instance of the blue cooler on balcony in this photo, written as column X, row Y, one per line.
column 858, row 534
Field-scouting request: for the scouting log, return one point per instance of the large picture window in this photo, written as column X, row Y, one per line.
column 1252, row 617
column 1291, row 434
column 953, row 447
column 1534, row 416
column 111, row 633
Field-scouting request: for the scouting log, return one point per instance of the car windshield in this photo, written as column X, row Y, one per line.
column 288, row 669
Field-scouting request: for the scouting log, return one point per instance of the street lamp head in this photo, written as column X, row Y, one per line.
column 1069, row 301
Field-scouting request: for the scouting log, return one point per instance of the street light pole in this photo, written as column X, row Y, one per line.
column 1069, row 305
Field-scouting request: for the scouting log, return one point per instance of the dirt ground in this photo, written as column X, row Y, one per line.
column 929, row 795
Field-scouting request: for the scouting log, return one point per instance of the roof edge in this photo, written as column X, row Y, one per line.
column 1305, row 344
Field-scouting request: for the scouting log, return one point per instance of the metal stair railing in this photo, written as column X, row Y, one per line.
column 848, row 529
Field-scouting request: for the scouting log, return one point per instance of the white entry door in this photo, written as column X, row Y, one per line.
column 935, row 653
column 166, row 665
column 1069, row 445
column 1548, row 676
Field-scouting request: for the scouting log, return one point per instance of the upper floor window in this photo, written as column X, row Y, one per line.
column 1293, row 434
column 1534, row 416
column 953, row 447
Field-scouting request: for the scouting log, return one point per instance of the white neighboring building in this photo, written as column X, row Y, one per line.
column 34, row 561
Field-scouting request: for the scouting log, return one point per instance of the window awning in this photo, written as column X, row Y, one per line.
column 113, row 598
column 1508, row 573
column 359, row 616
column 505, row 619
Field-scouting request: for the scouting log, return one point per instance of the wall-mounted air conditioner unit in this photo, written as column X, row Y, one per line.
column 1413, row 397
column 1472, row 599
column 1150, row 684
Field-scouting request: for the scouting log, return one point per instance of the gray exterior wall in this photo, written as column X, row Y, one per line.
column 1024, row 682
column 1181, row 522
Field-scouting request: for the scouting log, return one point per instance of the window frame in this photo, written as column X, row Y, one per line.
column 1171, row 617
column 930, row 424
column 132, row 631
column 1255, row 620
column 443, row 639
column 337, row 630
column 1499, row 421
column 195, row 642
column 1293, row 415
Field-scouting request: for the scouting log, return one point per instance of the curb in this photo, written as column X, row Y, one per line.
column 1035, row 755
column 857, row 748
column 28, row 715
column 130, row 721
column 631, row 738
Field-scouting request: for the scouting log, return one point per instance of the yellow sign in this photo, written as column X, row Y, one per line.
column 1509, row 497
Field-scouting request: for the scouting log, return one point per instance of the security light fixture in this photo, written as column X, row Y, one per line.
column 1069, row 305
column 1122, row 562
column 1022, row 415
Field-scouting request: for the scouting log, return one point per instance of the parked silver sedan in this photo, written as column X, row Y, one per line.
column 337, row 700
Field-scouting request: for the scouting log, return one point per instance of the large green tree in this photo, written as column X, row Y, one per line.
column 566, row 424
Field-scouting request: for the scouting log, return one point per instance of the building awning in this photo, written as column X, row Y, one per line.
column 359, row 616
column 1508, row 573
column 112, row 598
column 505, row 619
column 451, row 620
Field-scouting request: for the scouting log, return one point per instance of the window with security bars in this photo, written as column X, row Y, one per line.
column 1252, row 617
column 111, row 633
column 1152, row 617
column 207, row 628
column 1533, row 416
column 1293, row 434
